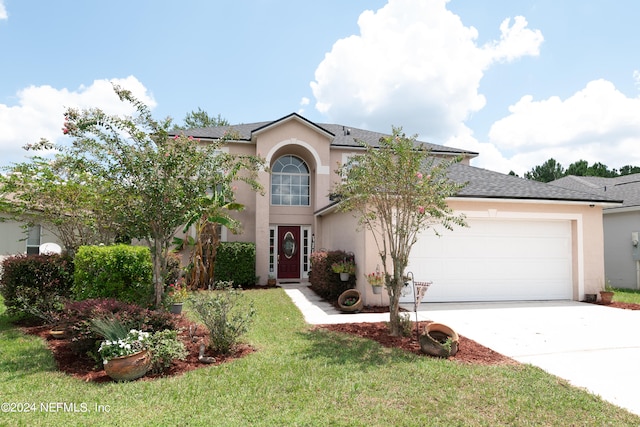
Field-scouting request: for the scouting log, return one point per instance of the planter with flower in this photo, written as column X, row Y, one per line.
column 345, row 268
column 376, row 280
column 350, row 301
column 126, row 358
column 177, row 294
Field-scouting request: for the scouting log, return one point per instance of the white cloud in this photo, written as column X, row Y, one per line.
column 597, row 124
column 3, row 11
column 414, row 64
column 303, row 102
column 39, row 111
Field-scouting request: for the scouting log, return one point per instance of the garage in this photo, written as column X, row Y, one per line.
column 496, row 259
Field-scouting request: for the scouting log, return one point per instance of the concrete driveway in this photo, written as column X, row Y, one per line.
column 591, row 346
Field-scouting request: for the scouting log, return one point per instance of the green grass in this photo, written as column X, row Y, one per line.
column 626, row 295
column 300, row 377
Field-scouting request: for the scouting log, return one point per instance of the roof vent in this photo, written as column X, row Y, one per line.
column 346, row 131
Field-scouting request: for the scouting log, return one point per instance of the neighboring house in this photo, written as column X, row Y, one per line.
column 18, row 239
column 621, row 224
column 526, row 240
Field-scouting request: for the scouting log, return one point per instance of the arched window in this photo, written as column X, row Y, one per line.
column 290, row 182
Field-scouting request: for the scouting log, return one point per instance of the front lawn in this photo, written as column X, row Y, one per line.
column 626, row 295
column 298, row 376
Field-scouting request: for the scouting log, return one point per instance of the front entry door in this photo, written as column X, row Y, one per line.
column 288, row 252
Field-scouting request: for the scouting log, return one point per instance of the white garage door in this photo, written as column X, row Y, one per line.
column 495, row 260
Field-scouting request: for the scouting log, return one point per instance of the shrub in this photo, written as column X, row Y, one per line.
column 236, row 262
column 222, row 314
column 36, row 285
column 165, row 347
column 81, row 317
column 174, row 268
column 120, row 271
column 324, row 281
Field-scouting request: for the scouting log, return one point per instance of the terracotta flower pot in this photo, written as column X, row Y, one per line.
column 353, row 308
column 130, row 367
column 606, row 297
column 434, row 340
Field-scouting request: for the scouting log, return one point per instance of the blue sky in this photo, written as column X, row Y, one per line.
column 517, row 81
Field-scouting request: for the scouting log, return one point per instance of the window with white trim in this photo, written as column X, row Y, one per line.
column 290, row 182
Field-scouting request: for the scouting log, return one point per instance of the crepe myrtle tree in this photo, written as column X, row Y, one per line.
column 156, row 181
column 396, row 190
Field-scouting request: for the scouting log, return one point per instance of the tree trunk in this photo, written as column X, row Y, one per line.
column 158, row 282
column 395, row 329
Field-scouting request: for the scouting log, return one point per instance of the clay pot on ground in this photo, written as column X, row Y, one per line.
column 439, row 340
column 130, row 367
column 350, row 301
column 606, row 297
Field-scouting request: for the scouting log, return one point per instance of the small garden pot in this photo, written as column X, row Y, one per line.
column 130, row 367
column 439, row 340
column 606, row 297
column 350, row 301
column 176, row 308
column 377, row 289
column 344, row 277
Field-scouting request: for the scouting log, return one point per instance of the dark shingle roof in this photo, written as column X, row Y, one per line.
column 625, row 188
column 483, row 183
column 343, row 136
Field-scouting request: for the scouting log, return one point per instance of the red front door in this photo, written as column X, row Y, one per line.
column 288, row 252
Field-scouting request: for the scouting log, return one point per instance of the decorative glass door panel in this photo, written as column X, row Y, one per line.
column 288, row 252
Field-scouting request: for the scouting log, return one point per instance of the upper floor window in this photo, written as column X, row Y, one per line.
column 290, row 182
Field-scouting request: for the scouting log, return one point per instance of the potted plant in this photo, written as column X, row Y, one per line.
column 126, row 358
column 439, row 340
column 376, row 280
column 350, row 301
column 345, row 268
column 606, row 295
column 272, row 280
column 177, row 295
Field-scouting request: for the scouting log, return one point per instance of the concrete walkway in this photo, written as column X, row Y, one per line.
column 590, row 346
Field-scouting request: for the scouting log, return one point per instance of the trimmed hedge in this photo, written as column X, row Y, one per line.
column 236, row 261
column 323, row 280
column 122, row 272
column 36, row 284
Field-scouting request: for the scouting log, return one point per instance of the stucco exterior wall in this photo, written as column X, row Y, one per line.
column 13, row 239
column 620, row 266
column 313, row 147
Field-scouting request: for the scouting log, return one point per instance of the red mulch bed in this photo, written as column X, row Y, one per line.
column 85, row 368
column 469, row 351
